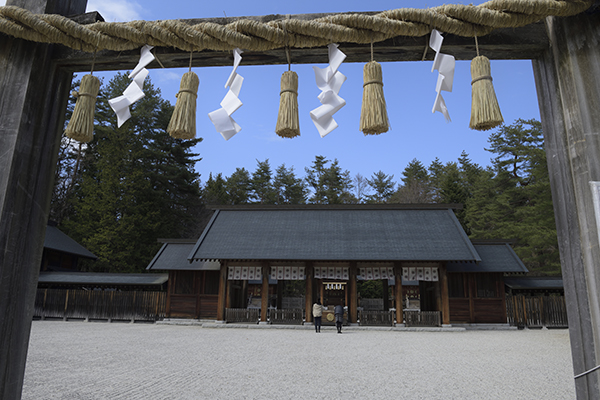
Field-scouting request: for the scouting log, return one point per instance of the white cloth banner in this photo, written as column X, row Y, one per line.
column 330, row 81
column 331, row 273
column 135, row 90
column 288, row 273
column 244, row 273
column 405, row 274
column 445, row 64
column 221, row 118
column 420, row 274
column 373, row 273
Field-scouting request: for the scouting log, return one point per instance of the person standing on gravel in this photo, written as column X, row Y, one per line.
column 338, row 311
column 317, row 314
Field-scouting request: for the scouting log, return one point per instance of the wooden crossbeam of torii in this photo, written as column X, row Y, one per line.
column 34, row 87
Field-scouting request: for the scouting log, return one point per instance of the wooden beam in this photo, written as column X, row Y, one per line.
column 398, row 293
column 353, row 306
column 221, row 302
column 567, row 84
column 264, row 303
column 308, row 293
column 502, row 44
column 34, row 94
column 386, row 294
column 443, row 276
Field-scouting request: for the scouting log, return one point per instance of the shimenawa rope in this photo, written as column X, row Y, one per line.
column 461, row 20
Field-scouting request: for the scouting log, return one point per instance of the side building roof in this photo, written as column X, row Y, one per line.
column 173, row 255
column 368, row 233
column 534, row 282
column 495, row 257
column 102, row 278
column 57, row 240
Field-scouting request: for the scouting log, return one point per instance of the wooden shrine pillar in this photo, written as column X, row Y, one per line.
column 264, row 303
column 352, row 287
column 445, row 308
column 398, row 294
column 33, row 99
column 223, row 292
column 386, row 294
column 567, row 78
column 308, row 292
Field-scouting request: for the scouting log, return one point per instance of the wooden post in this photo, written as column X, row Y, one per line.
column 309, row 292
column 221, row 302
column 353, row 306
column 567, row 83
column 33, row 98
column 264, row 303
column 170, row 284
column 321, row 289
column 386, row 294
column 398, row 294
column 445, row 309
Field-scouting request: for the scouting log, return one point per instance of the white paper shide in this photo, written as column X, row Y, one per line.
column 329, row 80
column 445, row 64
column 221, row 118
column 134, row 91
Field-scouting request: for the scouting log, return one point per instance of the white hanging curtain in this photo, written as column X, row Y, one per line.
column 244, row 273
column 375, row 273
column 331, row 273
column 420, row 274
column 288, row 273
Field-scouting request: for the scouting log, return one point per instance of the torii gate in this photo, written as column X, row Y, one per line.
column 34, row 88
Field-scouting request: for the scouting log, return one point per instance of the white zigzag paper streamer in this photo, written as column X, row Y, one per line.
column 329, row 80
column 134, row 91
column 221, row 118
column 445, row 64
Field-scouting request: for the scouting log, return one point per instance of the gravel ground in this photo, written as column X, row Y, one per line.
column 94, row 360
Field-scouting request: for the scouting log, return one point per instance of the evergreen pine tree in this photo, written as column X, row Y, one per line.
column 136, row 184
column 261, row 184
column 289, row 189
column 383, row 187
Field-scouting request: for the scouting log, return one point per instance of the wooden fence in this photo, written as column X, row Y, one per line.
column 290, row 316
column 374, row 318
column 251, row 315
column 536, row 311
column 422, row 318
column 99, row 305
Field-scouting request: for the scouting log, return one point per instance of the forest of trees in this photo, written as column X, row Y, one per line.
column 129, row 186
column 134, row 184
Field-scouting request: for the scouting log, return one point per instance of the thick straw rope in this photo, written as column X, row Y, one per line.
column 461, row 20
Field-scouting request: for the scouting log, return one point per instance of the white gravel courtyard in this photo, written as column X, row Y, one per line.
column 98, row 360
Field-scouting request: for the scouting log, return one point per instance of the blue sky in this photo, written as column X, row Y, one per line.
column 409, row 89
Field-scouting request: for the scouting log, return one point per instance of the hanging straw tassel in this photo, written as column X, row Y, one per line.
column 485, row 111
column 288, row 125
column 183, row 120
column 81, row 125
column 373, row 115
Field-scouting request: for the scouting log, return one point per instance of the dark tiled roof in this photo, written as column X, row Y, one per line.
column 106, row 279
column 533, row 282
column 57, row 240
column 335, row 234
column 498, row 257
column 173, row 255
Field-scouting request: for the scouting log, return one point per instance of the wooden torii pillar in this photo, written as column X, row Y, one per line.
column 567, row 78
column 33, row 96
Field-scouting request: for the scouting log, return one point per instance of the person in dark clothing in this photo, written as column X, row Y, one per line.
column 338, row 311
column 317, row 314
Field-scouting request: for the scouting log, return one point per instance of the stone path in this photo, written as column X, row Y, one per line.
column 92, row 360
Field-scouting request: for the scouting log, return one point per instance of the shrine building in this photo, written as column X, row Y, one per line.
column 269, row 264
